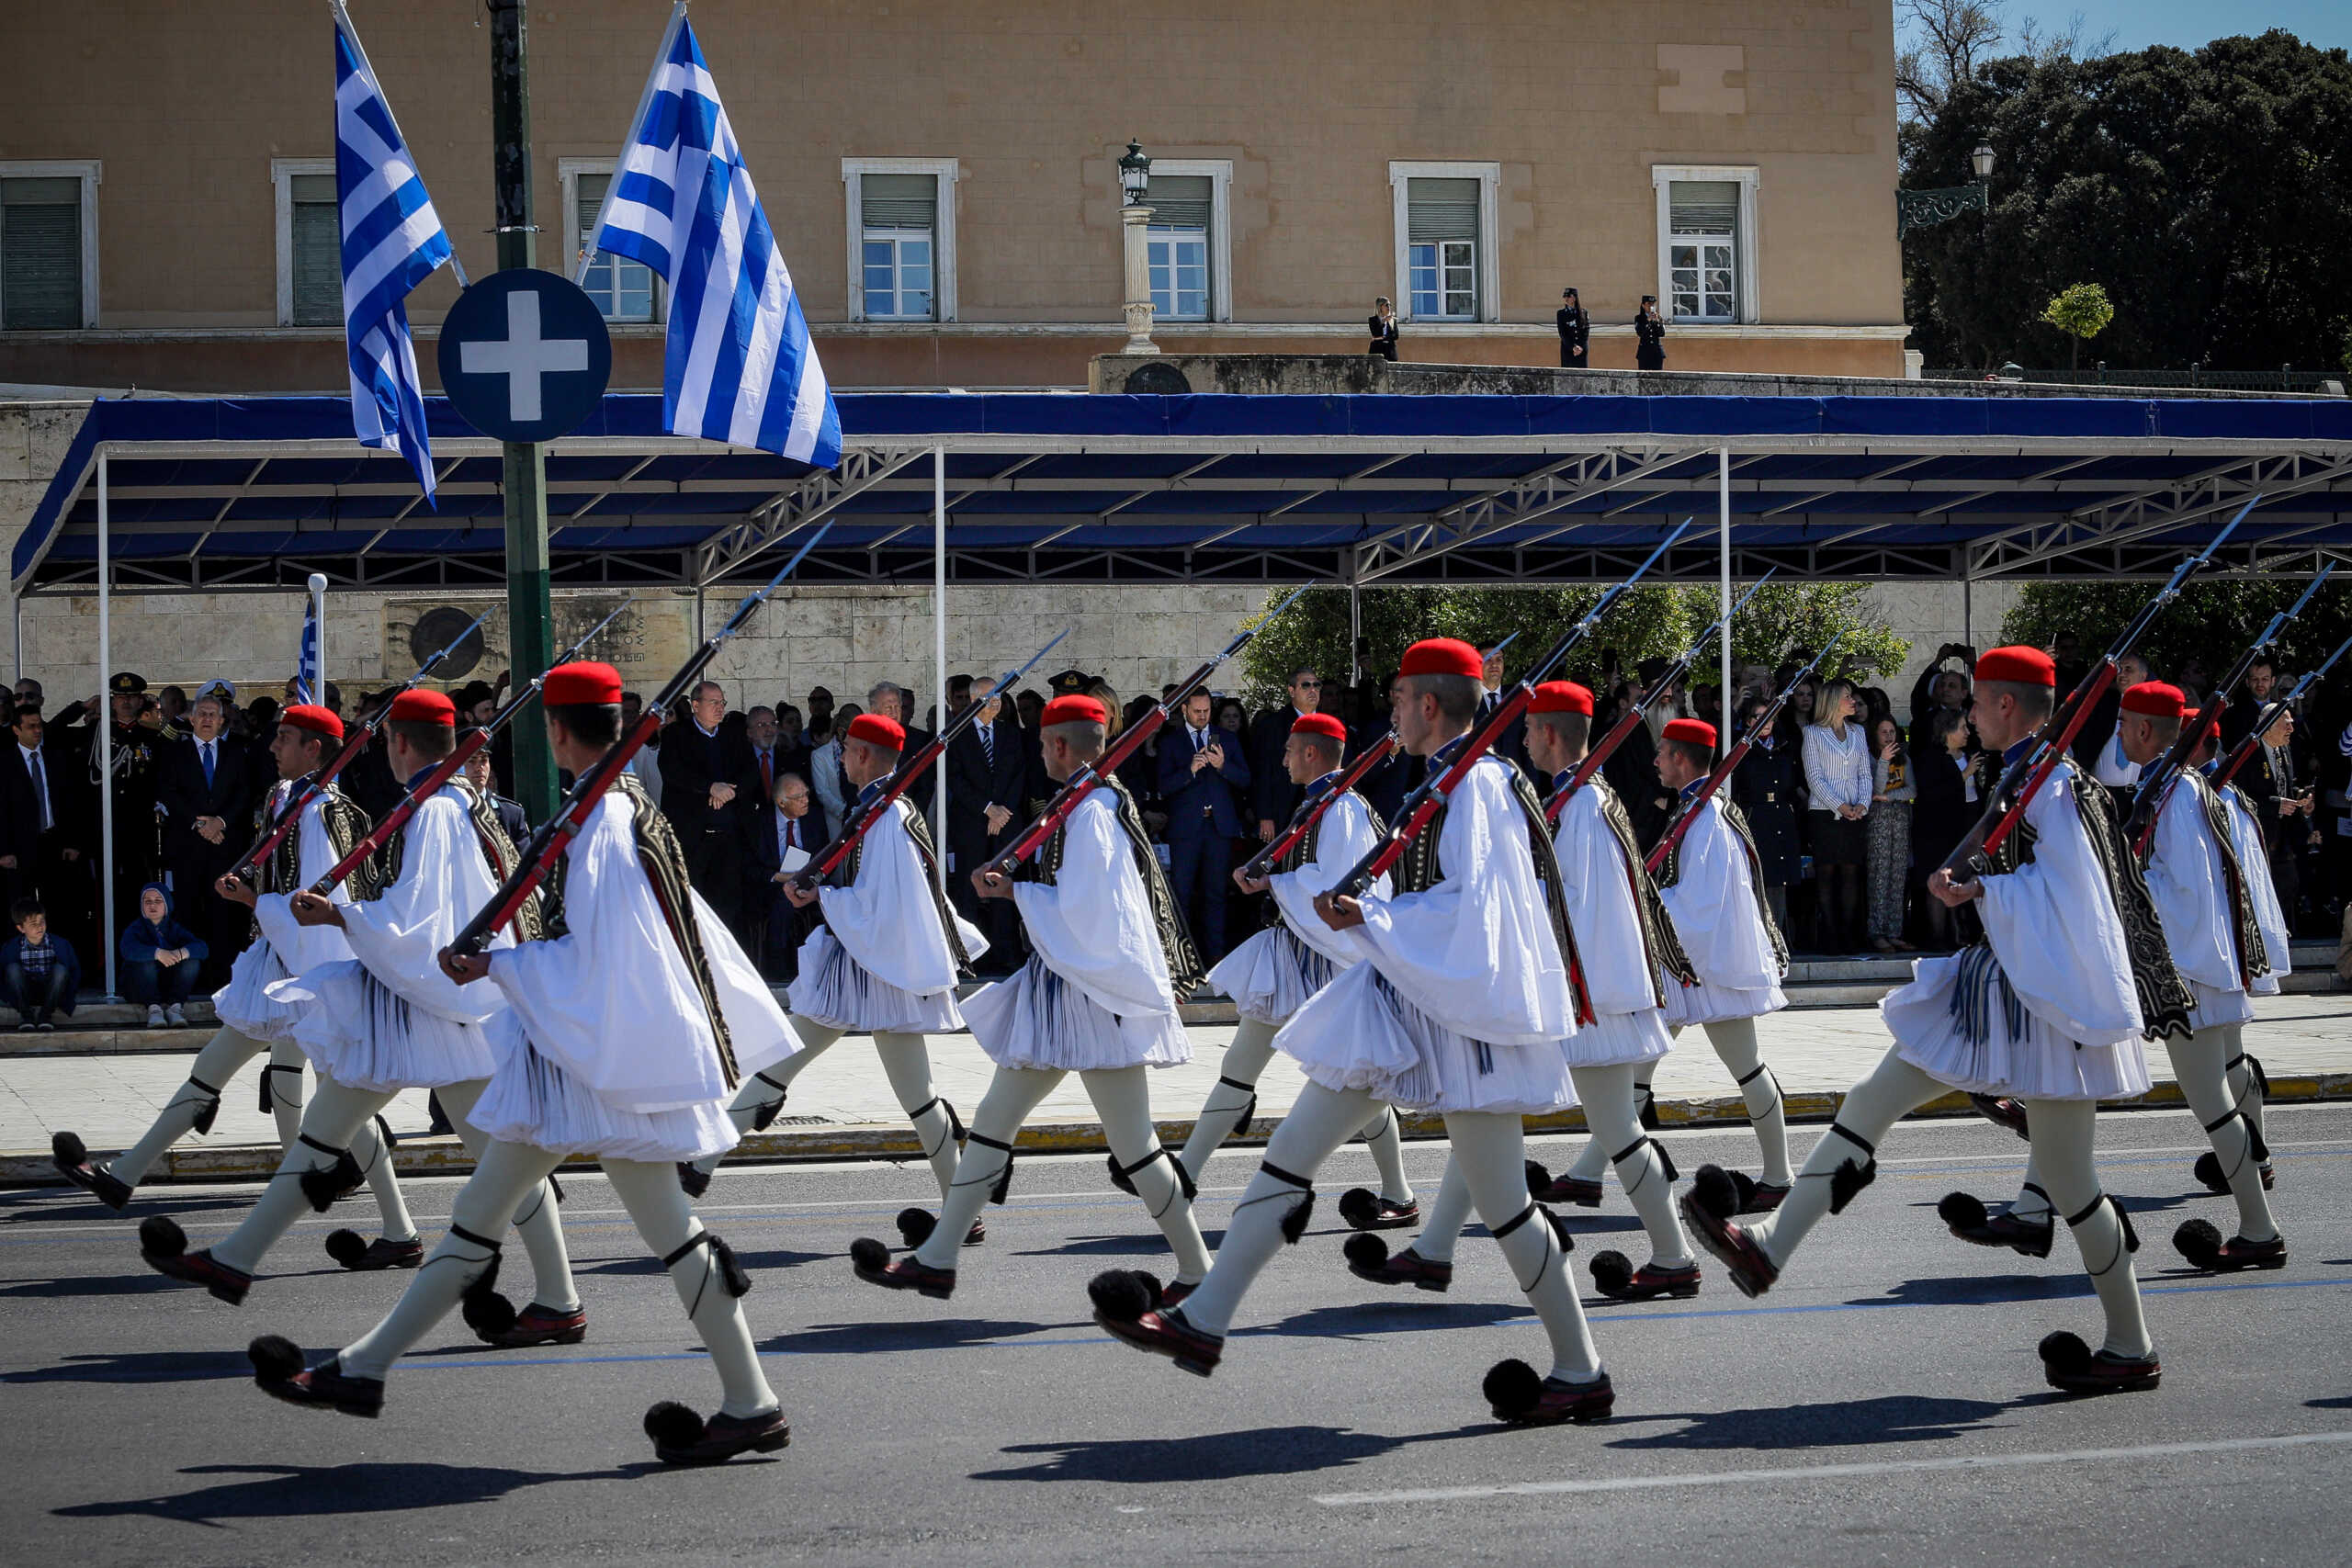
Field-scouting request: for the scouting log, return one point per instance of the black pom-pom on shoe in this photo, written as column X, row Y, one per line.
column 1359, row 1206
column 346, row 1246
column 1963, row 1212
column 68, row 1149
column 2208, row 1171
column 1714, row 1190
column 1538, row 1179
column 276, row 1359
column 1612, row 1272
column 1365, row 1249
column 1121, row 1296
column 2198, row 1241
column 2064, row 1352
column 915, row 1225
column 868, row 1253
column 673, row 1425
column 160, row 1236
column 1512, row 1389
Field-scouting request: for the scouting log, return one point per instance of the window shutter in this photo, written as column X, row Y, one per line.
column 317, row 239
column 590, row 198
column 1702, row 207
column 1441, row 209
column 900, row 201
column 1180, row 201
column 40, row 254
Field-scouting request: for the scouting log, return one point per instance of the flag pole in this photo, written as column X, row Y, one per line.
column 317, row 670
column 661, row 55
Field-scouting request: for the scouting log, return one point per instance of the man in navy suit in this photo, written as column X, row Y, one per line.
column 1204, row 781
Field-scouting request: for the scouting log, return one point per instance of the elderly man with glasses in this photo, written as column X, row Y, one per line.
column 705, row 767
column 1272, row 797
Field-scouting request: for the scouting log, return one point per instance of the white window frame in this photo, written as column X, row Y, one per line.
column 282, row 180
column 1220, row 173
column 943, row 230
column 1745, row 244
column 568, row 171
column 1490, row 274
column 90, row 171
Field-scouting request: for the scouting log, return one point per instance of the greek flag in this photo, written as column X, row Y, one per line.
column 739, row 367
column 307, row 684
column 392, row 241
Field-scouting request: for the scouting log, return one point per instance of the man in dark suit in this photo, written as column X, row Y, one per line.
column 208, row 792
column 794, row 827
column 1272, row 797
column 705, row 773
column 48, row 811
column 893, row 701
column 2238, row 718
column 1204, row 784
column 988, row 768
column 769, row 763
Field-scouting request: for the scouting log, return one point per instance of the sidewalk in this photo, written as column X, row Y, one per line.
column 841, row 1108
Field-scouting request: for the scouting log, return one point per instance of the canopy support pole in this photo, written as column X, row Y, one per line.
column 1356, row 632
column 938, row 656
column 105, row 717
column 1723, row 550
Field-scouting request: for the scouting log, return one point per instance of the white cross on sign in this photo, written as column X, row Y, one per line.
column 524, row 356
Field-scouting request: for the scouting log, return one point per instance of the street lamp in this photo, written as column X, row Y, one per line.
column 1982, row 162
column 1921, row 209
column 1134, row 184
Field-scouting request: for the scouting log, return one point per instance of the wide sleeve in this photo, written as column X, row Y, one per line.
column 2246, row 838
column 1713, row 905
column 888, row 920
column 1342, row 839
column 2185, row 880
column 2053, row 926
column 1093, row 925
column 1600, row 908
column 301, row 947
column 443, row 881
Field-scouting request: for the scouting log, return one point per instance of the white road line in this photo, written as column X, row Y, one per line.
column 1828, row 1471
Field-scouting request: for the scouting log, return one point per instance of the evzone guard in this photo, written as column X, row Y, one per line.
column 388, row 1019
column 2047, row 1009
column 884, row 963
column 620, row 1041
column 2243, row 1071
column 1110, row 959
column 254, row 1023
column 1461, row 1008
column 1271, row 975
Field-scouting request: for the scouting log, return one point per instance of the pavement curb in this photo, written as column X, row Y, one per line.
column 445, row 1156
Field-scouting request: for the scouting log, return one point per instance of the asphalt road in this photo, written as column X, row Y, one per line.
column 1883, row 1405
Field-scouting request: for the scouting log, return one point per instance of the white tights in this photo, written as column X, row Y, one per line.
column 1123, row 1098
column 1236, row 1090
column 1490, row 1153
column 2063, row 1132
column 1735, row 1042
column 906, row 1061
column 502, row 1181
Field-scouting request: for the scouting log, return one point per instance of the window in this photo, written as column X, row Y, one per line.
column 1177, row 241
column 624, row 290
column 1706, row 252
column 901, row 238
column 1445, row 253
column 899, row 215
column 48, row 246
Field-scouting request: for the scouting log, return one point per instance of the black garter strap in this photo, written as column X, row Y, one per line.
column 955, row 1134
column 268, row 1102
column 1003, row 1178
column 1249, row 1107
column 1849, row 1179
column 764, row 1114
column 322, row 1184
column 2254, row 1070
column 1516, row 1221
column 733, row 1276
column 1552, row 1237
column 1665, row 1160
column 1295, row 1221
column 1237, row 1083
column 2255, row 1145
column 462, row 1234
column 1763, row 1070
column 309, row 1142
column 2130, row 1238
column 1184, row 1181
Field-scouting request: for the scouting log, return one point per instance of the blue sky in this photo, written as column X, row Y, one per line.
column 2186, row 24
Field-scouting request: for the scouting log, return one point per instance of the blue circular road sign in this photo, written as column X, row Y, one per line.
column 525, row 355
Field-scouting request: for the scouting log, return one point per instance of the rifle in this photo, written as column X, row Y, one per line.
column 2269, row 716
column 1310, row 810
column 449, row 766
column 2156, row 781
column 1087, row 777
column 870, row 809
column 2024, row 778
column 1599, row 754
column 354, row 742
column 1687, row 812
column 1423, row 805
column 555, row 835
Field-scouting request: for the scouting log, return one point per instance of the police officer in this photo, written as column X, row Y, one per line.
column 1769, row 785
column 136, row 847
column 1575, row 331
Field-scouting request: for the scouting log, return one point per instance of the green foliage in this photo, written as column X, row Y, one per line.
column 2210, row 622
column 2209, row 192
column 1647, row 623
column 2081, row 311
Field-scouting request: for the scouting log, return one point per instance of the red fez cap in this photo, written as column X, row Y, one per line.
column 2017, row 666
column 2155, row 699
column 584, row 684
column 1443, row 655
column 875, row 730
column 318, row 720
column 1077, row 709
column 1321, row 724
column 1561, row 696
column 1697, row 731
column 421, row 706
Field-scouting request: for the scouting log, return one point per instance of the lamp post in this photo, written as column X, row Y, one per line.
column 1135, row 185
column 1921, row 208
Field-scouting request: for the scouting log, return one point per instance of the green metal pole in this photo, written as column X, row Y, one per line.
column 530, row 629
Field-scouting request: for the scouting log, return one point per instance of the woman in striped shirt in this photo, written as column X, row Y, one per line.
column 1838, row 777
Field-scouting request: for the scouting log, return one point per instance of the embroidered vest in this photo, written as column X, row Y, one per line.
column 345, row 825
column 1659, row 944
column 1670, row 873
column 498, row 852
column 1303, row 852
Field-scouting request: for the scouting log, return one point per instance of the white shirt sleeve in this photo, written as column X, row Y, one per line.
column 888, row 920
column 1093, row 925
column 1343, row 837
column 443, row 882
column 2053, row 926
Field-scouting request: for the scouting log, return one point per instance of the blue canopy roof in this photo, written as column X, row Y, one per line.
column 226, row 493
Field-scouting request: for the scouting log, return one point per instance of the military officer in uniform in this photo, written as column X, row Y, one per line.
column 137, row 753
column 1769, row 785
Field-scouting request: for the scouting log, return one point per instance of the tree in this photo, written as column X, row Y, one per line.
column 2081, row 311
column 2209, row 626
column 1647, row 623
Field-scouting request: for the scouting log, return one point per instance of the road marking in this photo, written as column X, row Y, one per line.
column 1829, row 1471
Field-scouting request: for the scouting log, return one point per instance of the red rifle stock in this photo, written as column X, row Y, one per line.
column 1687, row 811
column 1310, row 811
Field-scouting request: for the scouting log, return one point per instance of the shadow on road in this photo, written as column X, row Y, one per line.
column 1392, row 1316
column 1139, row 1245
column 1973, row 1290
column 646, row 1263
column 1893, row 1418
column 284, row 1491
column 1217, row 1456
column 891, row 1338
column 140, row 1366
column 47, row 1205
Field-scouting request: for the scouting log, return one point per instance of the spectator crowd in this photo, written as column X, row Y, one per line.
column 1851, row 804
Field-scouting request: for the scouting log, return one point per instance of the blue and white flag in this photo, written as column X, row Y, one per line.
column 739, row 367
column 392, row 241
column 307, row 683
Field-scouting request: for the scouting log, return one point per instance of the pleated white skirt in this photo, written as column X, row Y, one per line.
column 1709, row 1003
column 1033, row 1018
column 834, row 989
column 1271, row 975
column 359, row 1032
column 245, row 1005
column 1358, row 1033
column 1618, row 1039
column 531, row 1100
column 2018, row 1055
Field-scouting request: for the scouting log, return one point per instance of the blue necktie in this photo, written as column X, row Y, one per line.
column 206, row 750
